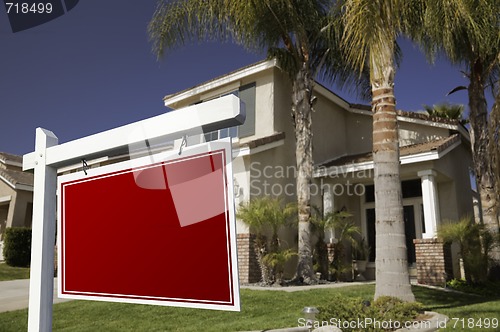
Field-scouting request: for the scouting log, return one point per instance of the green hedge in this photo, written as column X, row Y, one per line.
column 17, row 246
column 353, row 314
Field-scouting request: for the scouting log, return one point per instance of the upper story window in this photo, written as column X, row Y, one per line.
column 222, row 133
column 247, row 94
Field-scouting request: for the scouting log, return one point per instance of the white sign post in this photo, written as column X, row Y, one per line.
column 49, row 156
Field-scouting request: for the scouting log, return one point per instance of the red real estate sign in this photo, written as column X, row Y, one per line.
column 154, row 230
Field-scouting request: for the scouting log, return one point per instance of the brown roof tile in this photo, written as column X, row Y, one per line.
column 17, row 177
column 436, row 145
column 4, row 156
column 266, row 140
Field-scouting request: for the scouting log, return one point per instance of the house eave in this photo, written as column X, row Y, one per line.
column 16, row 186
column 5, row 199
column 335, row 171
column 173, row 99
column 266, row 143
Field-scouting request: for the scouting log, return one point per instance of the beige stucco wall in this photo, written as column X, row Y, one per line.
column 264, row 106
column 5, row 190
column 359, row 133
column 413, row 132
column 455, row 193
column 17, row 216
column 329, row 130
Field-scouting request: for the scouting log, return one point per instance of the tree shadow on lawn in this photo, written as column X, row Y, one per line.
column 444, row 301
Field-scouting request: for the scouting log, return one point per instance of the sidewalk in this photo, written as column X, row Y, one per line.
column 14, row 294
column 307, row 287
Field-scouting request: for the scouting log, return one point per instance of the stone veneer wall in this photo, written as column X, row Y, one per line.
column 434, row 262
column 248, row 266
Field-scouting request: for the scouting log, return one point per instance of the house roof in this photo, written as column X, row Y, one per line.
column 16, row 178
column 236, row 75
column 12, row 158
column 13, row 177
column 259, row 144
column 437, row 146
column 266, row 140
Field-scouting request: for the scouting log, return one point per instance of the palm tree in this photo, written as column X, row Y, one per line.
column 475, row 243
column 447, row 111
column 371, row 29
column 494, row 152
column 262, row 214
column 468, row 32
column 300, row 34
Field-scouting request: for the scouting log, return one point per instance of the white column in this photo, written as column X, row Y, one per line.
column 328, row 206
column 431, row 203
column 43, row 236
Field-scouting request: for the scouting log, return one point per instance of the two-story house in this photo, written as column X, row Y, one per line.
column 434, row 153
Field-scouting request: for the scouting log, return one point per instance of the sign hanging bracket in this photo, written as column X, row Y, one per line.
column 85, row 166
column 183, row 144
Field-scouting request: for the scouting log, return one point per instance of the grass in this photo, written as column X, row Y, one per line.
column 260, row 310
column 12, row 273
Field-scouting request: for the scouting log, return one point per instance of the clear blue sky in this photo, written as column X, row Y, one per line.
column 92, row 69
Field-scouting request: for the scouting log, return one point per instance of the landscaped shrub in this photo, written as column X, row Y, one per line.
column 393, row 309
column 354, row 313
column 475, row 244
column 488, row 288
column 267, row 214
column 17, row 246
column 343, row 309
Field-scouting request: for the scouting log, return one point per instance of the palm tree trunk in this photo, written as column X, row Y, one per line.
column 494, row 146
column 301, row 112
column 391, row 264
column 479, row 140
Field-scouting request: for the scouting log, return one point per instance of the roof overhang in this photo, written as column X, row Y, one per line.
column 5, row 199
column 434, row 154
column 259, row 145
column 16, row 186
column 231, row 79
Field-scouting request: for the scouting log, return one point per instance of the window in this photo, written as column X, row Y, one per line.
column 222, row 133
column 410, row 188
column 247, row 95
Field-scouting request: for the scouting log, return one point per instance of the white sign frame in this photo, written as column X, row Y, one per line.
column 48, row 156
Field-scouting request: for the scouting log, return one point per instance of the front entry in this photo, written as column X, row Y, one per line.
column 409, row 215
column 410, row 232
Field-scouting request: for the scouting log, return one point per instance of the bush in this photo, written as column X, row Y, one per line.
column 17, row 246
column 475, row 244
column 487, row 288
column 355, row 309
column 390, row 308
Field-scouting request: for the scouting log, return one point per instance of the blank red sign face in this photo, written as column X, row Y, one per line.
column 158, row 231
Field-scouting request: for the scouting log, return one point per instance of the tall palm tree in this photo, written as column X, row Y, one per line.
column 468, row 32
column 300, row 34
column 371, row 29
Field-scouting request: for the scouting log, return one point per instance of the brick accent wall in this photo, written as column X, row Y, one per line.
column 434, row 262
column 248, row 266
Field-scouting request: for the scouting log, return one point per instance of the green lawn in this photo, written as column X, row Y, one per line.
column 260, row 310
column 12, row 273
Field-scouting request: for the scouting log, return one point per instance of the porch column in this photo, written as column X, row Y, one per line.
column 328, row 206
column 431, row 203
